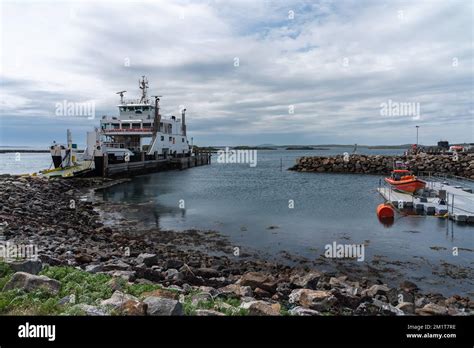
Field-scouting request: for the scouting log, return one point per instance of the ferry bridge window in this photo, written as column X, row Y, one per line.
column 135, row 125
column 162, row 138
column 115, row 125
column 125, row 125
column 182, row 140
column 146, row 125
column 170, row 139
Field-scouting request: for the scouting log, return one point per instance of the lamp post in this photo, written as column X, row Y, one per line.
column 417, row 135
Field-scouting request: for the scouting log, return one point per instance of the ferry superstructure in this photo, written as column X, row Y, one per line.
column 137, row 133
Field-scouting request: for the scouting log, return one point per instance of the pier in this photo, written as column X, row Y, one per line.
column 127, row 169
column 443, row 197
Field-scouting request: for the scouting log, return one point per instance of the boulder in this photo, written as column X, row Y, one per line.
column 407, row 307
column 262, row 308
column 201, row 297
column 376, row 290
column 30, row 282
column 258, row 280
column 432, row 309
column 163, row 306
column 173, row 264
column 207, row 272
column 148, row 259
column 408, row 286
column 28, row 266
column 117, row 300
column 94, row 268
column 173, row 295
column 307, row 281
column 234, row 290
column 320, row 300
column 132, row 307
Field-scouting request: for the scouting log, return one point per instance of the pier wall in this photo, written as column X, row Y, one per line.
column 462, row 165
column 128, row 169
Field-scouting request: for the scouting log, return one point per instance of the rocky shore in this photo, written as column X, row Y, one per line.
column 87, row 265
column 460, row 165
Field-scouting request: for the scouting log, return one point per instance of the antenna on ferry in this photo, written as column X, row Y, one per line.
column 157, row 118
column 121, row 96
column 143, row 85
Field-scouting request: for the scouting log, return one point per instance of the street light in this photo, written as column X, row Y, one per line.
column 417, row 135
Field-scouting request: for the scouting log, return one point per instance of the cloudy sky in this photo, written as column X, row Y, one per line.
column 248, row 71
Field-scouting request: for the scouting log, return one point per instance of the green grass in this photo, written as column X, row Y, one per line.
column 90, row 289
column 217, row 305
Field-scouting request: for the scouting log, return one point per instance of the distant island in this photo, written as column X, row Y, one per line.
column 253, row 148
column 306, row 148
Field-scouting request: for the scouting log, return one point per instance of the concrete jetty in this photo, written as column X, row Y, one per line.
column 442, row 199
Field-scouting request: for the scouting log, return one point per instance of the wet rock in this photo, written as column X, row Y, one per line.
column 171, row 273
column 347, row 300
column 432, row 309
column 262, row 308
column 407, row 307
column 421, row 302
column 28, row 266
column 234, row 290
column 207, row 272
column 320, row 300
column 29, row 282
column 260, row 293
column 147, row 259
column 377, row 307
column 301, row 311
column 83, row 258
column 307, row 281
column 176, row 264
column 116, row 266
column 376, row 290
column 163, row 306
column 258, row 280
column 149, row 274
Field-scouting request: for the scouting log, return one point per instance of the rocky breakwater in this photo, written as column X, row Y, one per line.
column 86, row 267
column 460, row 165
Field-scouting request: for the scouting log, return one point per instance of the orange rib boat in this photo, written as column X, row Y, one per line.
column 404, row 180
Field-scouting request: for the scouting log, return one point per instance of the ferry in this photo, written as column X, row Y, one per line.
column 137, row 133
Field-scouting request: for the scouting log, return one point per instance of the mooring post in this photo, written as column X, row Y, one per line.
column 105, row 164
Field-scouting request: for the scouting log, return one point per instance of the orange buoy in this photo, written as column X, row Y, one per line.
column 385, row 211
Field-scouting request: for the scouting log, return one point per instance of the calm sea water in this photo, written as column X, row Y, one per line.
column 251, row 207
column 24, row 163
